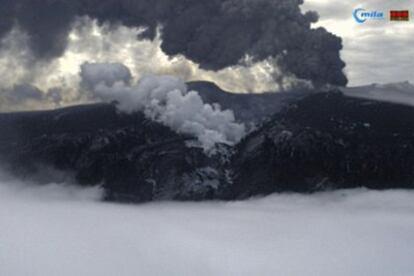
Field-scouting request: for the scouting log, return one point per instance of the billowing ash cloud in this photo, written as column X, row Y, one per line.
column 164, row 99
column 215, row 34
column 47, row 22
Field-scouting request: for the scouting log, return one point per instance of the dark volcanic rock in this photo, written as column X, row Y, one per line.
column 328, row 141
column 323, row 141
column 249, row 108
column 133, row 158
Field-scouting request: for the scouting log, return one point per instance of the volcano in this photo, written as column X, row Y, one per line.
column 300, row 142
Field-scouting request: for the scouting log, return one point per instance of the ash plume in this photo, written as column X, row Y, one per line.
column 214, row 34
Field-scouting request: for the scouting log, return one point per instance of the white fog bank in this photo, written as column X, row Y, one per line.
column 65, row 231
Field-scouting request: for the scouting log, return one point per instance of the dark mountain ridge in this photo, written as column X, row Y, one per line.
column 250, row 108
column 311, row 143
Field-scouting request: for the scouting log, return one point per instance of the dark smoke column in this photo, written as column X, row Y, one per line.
column 215, row 34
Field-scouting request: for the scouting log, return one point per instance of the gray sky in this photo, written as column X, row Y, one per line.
column 376, row 51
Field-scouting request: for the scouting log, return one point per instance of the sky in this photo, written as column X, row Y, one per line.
column 376, row 51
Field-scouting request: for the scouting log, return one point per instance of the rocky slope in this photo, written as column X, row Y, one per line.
column 315, row 142
column 133, row 158
column 328, row 141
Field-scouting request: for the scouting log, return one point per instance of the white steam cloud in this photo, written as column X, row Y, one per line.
column 65, row 231
column 164, row 99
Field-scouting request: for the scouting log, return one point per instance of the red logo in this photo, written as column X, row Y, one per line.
column 403, row 15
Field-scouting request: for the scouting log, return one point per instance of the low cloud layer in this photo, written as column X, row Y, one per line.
column 164, row 99
column 58, row 231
